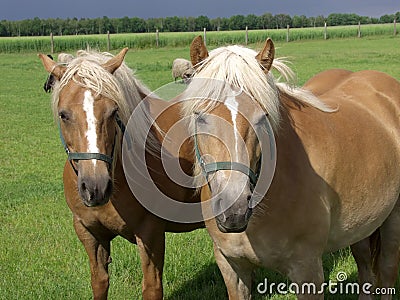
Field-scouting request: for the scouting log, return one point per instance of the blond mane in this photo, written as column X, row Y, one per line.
column 236, row 68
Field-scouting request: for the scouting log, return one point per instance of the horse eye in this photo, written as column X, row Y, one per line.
column 200, row 118
column 262, row 120
column 114, row 112
column 63, row 115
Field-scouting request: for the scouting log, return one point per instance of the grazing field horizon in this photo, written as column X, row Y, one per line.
column 40, row 255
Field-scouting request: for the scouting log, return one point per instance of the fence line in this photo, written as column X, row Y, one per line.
column 108, row 40
column 247, row 39
column 215, row 38
column 246, row 35
column 288, row 34
column 325, row 35
column 51, row 43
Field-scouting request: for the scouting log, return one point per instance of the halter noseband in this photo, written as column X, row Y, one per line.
column 76, row 156
column 212, row 167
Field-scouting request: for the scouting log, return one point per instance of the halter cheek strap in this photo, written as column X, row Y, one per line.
column 76, row 156
column 231, row 165
column 209, row 168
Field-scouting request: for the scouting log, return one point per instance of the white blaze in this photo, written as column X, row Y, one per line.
column 91, row 135
column 233, row 106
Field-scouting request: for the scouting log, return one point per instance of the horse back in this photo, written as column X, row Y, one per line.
column 326, row 80
column 371, row 92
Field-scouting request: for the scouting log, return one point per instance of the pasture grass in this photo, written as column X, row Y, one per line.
column 40, row 256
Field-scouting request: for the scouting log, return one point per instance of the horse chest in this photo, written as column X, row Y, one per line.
column 102, row 216
column 236, row 246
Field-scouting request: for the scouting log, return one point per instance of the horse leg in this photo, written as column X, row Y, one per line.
column 237, row 276
column 387, row 261
column 99, row 259
column 151, row 245
column 307, row 275
column 362, row 254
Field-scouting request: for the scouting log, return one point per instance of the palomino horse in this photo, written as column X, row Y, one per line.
column 92, row 99
column 337, row 176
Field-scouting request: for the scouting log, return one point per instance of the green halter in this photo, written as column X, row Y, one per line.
column 75, row 156
column 212, row 167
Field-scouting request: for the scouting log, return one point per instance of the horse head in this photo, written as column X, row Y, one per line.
column 88, row 118
column 229, row 127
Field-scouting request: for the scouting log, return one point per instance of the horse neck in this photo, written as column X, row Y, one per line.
column 119, row 174
column 289, row 145
column 168, row 114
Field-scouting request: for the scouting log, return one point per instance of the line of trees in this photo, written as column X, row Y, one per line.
column 42, row 27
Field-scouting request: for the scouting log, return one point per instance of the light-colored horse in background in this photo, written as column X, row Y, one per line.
column 337, row 178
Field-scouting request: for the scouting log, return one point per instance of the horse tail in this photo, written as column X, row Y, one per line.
column 375, row 247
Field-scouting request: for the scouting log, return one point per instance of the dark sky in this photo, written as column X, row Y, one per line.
column 28, row 9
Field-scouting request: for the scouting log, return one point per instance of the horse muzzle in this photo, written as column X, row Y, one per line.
column 234, row 223
column 95, row 191
column 233, row 219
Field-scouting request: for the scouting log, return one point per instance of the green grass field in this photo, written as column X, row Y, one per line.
column 40, row 256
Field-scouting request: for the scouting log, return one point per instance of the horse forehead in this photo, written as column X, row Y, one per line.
column 248, row 107
column 72, row 95
column 239, row 110
column 222, row 111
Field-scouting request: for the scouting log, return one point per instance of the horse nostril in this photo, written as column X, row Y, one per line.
column 250, row 201
column 84, row 191
column 83, row 187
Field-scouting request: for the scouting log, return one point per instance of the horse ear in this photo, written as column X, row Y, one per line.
column 198, row 51
column 266, row 56
column 52, row 67
column 114, row 63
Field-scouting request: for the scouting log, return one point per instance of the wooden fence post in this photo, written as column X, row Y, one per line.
column 157, row 38
column 247, row 35
column 108, row 40
column 359, row 29
column 51, row 43
column 394, row 27
column 325, row 32
column 287, row 34
column 205, row 36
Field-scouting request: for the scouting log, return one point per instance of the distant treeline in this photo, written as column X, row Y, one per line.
column 42, row 27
